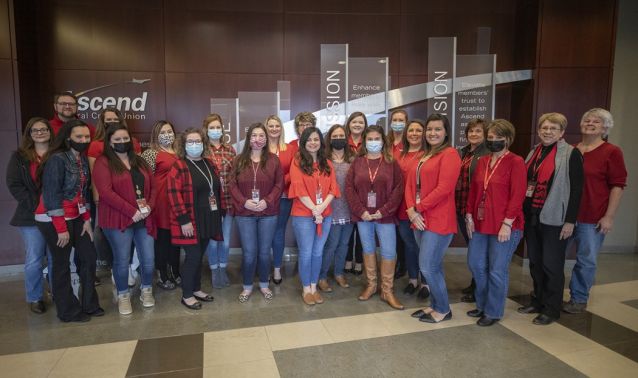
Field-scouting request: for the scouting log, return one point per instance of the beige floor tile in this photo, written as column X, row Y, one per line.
column 265, row 368
column 236, row 346
column 356, row 327
column 101, row 360
column 601, row 362
column 29, row 365
column 298, row 335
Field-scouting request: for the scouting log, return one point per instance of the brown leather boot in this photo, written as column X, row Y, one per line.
column 387, row 284
column 370, row 265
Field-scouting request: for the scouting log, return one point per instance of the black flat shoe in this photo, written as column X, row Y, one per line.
column 79, row 318
column 401, row 271
column 476, row 313
column 97, row 313
column 206, row 298
column 543, row 319
column 424, row 293
column 468, row 298
column 427, row 318
column 484, row 321
column 528, row 310
column 418, row 313
column 194, row 306
column 410, row 289
column 37, row 307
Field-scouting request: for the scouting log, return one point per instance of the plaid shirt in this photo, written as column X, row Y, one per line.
column 180, row 197
column 223, row 157
column 463, row 184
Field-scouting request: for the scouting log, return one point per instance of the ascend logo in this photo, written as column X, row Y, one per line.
column 131, row 107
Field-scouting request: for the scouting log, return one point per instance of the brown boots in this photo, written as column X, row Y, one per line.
column 387, row 280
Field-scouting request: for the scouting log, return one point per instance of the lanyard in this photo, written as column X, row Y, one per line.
column 373, row 176
column 255, row 169
column 209, row 178
column 78, row 161
column 418, row 172
column 486, row 178
column 536, row 166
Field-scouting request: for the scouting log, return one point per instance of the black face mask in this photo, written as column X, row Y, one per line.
column 338, row 144
column 495, row 145
column 79, row 147
column 122, row 147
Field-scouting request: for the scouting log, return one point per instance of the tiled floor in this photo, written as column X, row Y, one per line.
column 342, row 337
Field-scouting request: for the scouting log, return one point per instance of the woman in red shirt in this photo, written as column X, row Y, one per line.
column 429, row 198
column 313, row 186
column 374, row 189
column 605, row 180
column 285, row 153
column 399, row 120
column 160, row 157
column 494, row 220
column 125, row 182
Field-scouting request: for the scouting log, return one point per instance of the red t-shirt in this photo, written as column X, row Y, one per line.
column 355, row 147
column 604, row 169
column 303, row 185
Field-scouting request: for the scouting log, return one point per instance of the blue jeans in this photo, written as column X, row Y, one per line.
column 217, row 251
column 35, row 247
column 489, row 262
column 386, row 234
column 120, row 242
column 411, row 249
column 589, row 243
column 279, row 240
column 310, row 247
column 432, row 247
column 256, row 235
column 335, row 249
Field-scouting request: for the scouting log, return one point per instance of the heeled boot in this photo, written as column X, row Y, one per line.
column 370, row 267
column 387, row 284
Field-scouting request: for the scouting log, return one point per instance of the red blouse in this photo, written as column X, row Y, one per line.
column 407, row 164
column 303, row 185
column 285, row 160
column 269, row 180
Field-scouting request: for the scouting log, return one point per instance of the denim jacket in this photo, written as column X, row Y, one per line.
column 61, row 181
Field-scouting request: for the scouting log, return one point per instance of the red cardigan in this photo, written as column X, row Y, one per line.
column 118, row 202
column 438, row 178
column 285, row 159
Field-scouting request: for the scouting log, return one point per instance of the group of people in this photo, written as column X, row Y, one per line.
column 409, row 190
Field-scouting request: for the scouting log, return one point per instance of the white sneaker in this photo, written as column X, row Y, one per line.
column 124, row 304
column 147, row 297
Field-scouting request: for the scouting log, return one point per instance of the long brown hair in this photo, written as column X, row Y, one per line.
column 404, row 137
column 353, row 116
column 446, row 142
column 60, row 143
column 242, row 161
column 180, row 142
column 101, row 126
column 305, row 159
column 115, row 163
column 155, row 131
column 386, row 152
column 348, row 155
column 27, row 146
column 210, row 118
column 391, row 132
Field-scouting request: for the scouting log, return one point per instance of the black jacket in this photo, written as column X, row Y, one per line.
column 23, row 189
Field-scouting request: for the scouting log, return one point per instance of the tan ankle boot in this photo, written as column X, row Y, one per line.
column 370, row 265
column 387, row 284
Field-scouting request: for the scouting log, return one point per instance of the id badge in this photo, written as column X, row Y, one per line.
column 531, row 187
column 221, row 181
column 418, row 198
column 212, row 201
column 372, row 199
column 319, row 197
column 142, row 205
column 255, row 195
column 81, row 207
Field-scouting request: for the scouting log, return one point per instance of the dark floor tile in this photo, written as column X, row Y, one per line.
column 628, row 349
column 597, row 328
column 633, row 303
column 167, row 354
column 190, row 373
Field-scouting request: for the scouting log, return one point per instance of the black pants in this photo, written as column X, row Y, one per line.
column 400, row 250
column 67, row 305
column 358, row 249
column 165, row 254
column 546, row 265
column 192, row 268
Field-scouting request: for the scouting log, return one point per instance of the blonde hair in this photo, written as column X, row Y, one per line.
column 555, row 118
column 282, row 137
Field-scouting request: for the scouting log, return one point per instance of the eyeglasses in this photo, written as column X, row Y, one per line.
column 65, row 104
column 193, row 142
column 39, row 131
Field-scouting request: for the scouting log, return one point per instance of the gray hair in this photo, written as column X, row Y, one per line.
column 604, row 115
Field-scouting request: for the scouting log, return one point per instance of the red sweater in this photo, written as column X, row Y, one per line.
column 438, row 178
column 388, row 187
column 270, row 182
column 407, row 164
column 303, row 185
column 118, row 202
column 504, row 195
column 604, row 169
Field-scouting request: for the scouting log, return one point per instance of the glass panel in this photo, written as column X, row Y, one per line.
column 441, row 64
column 334, row 85
column 367, row 88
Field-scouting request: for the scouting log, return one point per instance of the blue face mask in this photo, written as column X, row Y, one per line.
column 374, row 146
column 214, row 134
column 397, row 126
column 194, row 150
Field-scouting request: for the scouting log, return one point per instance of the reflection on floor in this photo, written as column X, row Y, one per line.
column 342, row 337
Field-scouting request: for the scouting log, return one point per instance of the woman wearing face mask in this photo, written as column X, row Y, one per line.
column 374, row 189
column 160, row 157
column 313, row 186
column 475, row 133
column 429, row 197
column 336, row 245
column 197, row 208
column 63, row 219
column 222, row 154
column 494, row 221
column 285, row 153
column 255, row 188
column 355, row 124
column 552, row 198
column 125, row 182
column 398, row 123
